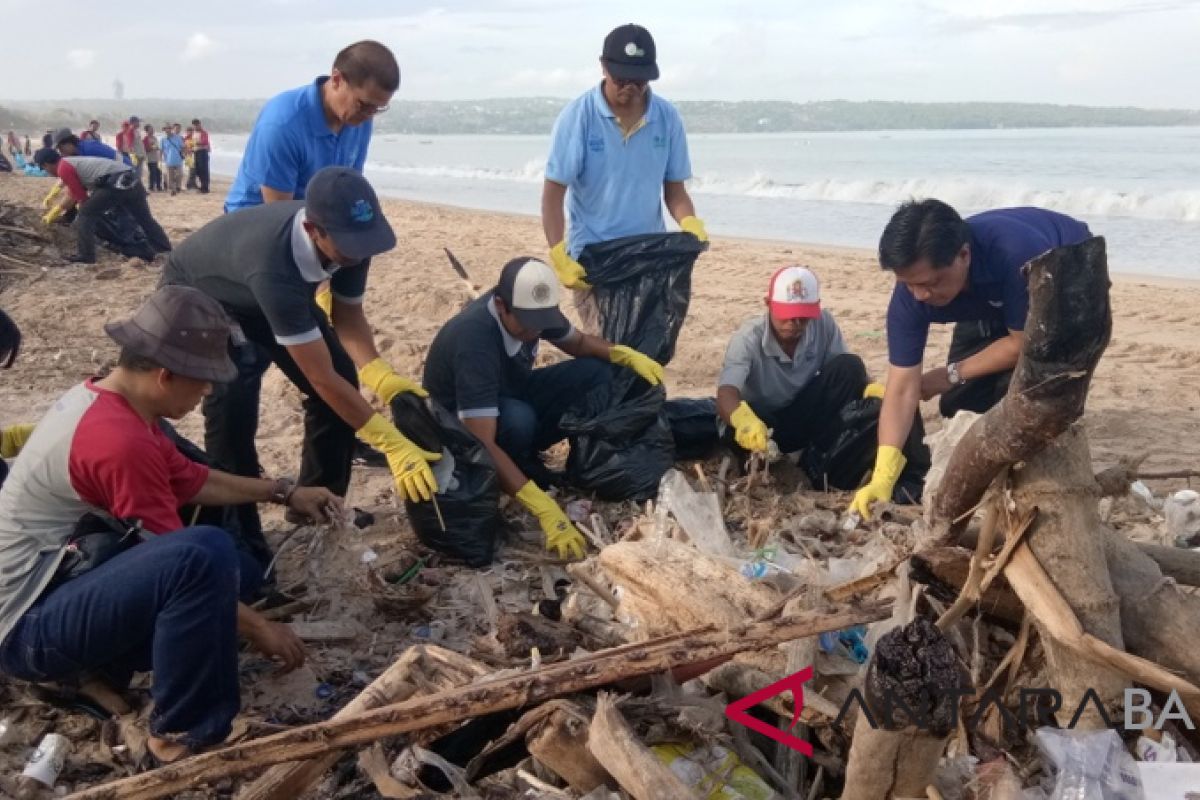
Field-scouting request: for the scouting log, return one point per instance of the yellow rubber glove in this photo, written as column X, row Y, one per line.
column 53, row 214
column 873, row 390
column 561, row 535
column 642, row 364
column 409, row 464
column 889, row 463
column 379, row 377
column 569, row 271
column 749, row 431
column 695, row 227
column 13, row 438
column 49, row 198
column 325, row 302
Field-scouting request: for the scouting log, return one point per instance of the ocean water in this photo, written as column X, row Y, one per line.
column 1139, row 187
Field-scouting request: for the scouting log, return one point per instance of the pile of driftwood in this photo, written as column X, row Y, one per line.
column 1012, row 582
column 24, row 240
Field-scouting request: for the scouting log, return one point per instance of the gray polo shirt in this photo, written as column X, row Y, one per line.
column 767, row 378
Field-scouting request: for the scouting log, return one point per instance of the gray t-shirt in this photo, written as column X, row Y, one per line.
column 260, row 264
column 757, row 367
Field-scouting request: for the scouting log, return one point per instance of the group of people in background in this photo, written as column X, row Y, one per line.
column 281, row 279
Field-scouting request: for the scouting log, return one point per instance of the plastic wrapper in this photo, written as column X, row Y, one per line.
column 713, row 772
column 1089, row 765
column 468, row 498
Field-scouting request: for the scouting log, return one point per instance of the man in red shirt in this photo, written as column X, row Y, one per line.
column 200, row 151
column 168, row 604
column 96, row 185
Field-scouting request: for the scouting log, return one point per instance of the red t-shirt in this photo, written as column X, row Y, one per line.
column 201, row 140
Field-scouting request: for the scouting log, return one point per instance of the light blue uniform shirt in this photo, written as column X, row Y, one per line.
column 290, row 142
column 615, row 185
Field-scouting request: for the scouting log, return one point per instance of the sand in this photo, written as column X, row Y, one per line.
column 1145, row 397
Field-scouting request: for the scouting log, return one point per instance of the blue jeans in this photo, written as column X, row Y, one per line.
column 168, row 605
column 529, row 423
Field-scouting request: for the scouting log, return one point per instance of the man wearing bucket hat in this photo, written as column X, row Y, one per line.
column 263, row 264
column 481, row 365
column 622, row 152
column 168, row 603
column 787, row 377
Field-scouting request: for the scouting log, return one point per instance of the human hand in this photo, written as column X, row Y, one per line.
column 749, row 431
column 695, row 226
column 650, row 370
column 317, row 503
column 569, row 271
column 379, row 376
column 934, row 382
column 278, row 642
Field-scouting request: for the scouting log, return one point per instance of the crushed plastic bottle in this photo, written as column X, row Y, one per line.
column 848, row 643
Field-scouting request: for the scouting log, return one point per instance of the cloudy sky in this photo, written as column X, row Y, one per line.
column 1094, row 52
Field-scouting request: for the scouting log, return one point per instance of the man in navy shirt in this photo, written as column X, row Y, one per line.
column 967, row 272
column 324, row 124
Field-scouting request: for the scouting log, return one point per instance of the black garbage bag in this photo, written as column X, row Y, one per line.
column 693, row 422
column 642, row 286
column 619, row 451
column 470, row 501
column 120, row 232
column 851, row 454
column 621, row 441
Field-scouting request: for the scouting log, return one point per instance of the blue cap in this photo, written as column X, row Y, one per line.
column 343, row 203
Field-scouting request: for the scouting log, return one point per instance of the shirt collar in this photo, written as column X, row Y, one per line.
column 512, row 345
column 316, row 111
column 304, row 253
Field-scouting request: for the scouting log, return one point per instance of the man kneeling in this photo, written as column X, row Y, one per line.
column 481, row 364
column 788, row 377
column 167, row 604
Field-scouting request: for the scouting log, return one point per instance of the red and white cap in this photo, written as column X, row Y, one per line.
column 794, row 294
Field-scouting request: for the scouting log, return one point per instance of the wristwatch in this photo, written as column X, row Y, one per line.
column 952, row 374
column 282, row 493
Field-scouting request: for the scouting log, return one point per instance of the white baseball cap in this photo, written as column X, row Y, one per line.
column 794, row 293
column 529, row 288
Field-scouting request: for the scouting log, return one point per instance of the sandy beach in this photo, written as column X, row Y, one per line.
column 1145, row 397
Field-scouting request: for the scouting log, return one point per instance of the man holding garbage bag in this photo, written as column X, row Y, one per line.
column 788, row 377
column 263, row 264
column 481, row 366
column 622, row 151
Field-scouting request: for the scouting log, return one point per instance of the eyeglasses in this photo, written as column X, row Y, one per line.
column 369, row 109
column 621, row 83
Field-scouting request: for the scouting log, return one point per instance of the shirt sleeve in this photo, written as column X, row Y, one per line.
column 907, row 329
column 565, row 161
column 739, row 360
column 349, row 284
column 679, row 164
column 70, row 179
column 279, row 158
column 288, row 306
column 476, row 382
column 836, row 345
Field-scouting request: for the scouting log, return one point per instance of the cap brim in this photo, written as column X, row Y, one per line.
column 632, row 72
column 129, row 335
column 795, row 310
column 363, row 244
column 541, row 319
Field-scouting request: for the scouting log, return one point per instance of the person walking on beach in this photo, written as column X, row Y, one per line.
column 200, row 150
column 622, row 152
column 92, row 132
column 189, row 157
column 172, row 157
column 969, row 272
column 263, row 265
column 326, row 123
column 153, row 156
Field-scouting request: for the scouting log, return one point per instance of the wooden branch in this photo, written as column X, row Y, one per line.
column 559, row 740
column 630, row 762
column 484, row 697
column 287, row 781
column 971, row 590
column 1068, row 327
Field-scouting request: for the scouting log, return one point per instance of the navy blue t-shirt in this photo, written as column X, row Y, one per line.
column 1002, row 242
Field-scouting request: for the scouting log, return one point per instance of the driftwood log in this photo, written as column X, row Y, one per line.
column 630, row 762
column 498, row 694
column 559, row 740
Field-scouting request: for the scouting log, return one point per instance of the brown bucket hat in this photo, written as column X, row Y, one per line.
column 182, row 330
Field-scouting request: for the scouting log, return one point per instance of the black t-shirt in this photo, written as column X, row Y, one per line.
column 260, row 265
column 472, row 363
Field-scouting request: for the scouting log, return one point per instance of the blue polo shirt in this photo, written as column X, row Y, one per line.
column 290, row 142
column 1002, row 242
column 614, row 183
column 91, row 147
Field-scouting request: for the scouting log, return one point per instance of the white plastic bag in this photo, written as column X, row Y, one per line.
column 1089, row 765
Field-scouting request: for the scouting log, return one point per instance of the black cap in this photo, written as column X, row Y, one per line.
column 46, row 155
column 629, row 54
column 342, row 202
column 529, row 289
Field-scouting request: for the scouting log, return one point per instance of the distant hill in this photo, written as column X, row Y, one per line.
column 536, row 115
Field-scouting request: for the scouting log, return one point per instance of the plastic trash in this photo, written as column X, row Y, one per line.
column 698, row 513
column 1089, row 765
column 46, row 763
column 1163, row 752
column 850, row 643
column 713, row 772
column 1182, row 513
column 1143, row 493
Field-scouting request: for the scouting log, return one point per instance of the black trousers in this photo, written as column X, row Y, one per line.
column 977, row 394
column 103, row 198
column 155, row 176
column 231, row 420
column 201, row 160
